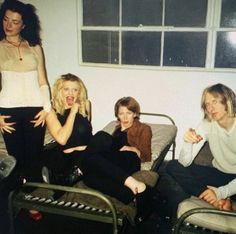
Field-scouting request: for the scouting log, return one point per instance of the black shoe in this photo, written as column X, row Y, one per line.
column 67, row 178
column 144, row 202
column 72, row 176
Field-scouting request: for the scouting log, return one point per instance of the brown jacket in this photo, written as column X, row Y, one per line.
column 140, row 135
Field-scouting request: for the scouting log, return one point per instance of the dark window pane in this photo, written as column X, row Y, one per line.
column 226, row 50
column 100, row 47
column 186, row 13
column 100, row 12
column 141, row 48
column 185, row 49
column 140, row 12
column 228, row 13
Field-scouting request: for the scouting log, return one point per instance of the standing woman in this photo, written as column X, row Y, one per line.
column 25, row 94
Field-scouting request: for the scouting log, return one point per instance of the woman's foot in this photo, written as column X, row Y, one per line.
column 134, row 185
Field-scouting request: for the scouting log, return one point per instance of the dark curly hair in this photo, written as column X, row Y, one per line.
column 31, row 31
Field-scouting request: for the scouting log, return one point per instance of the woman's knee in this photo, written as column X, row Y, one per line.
column 100, row 142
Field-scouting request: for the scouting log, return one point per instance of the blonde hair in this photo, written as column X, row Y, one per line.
column 57, row 98
column 227, row 95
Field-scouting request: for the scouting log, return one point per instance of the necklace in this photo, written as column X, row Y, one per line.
column 17, row 46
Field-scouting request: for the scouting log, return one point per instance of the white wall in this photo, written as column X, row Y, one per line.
column 175, row 93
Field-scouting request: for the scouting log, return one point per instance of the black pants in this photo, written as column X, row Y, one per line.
column 103, row 169
column 59, row 162
column 195, row 178
column 106, row 170
column 26, row 142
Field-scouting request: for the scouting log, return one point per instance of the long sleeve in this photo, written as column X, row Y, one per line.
column 222, row 145
column 227, row 190
column 145, row 144
column 189, row 151
column 140, row 136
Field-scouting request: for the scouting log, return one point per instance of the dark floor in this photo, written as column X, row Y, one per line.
column 158, row 223
column 52, row 224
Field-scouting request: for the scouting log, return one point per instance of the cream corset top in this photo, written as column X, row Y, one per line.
column 20, row 89
column 10, row 58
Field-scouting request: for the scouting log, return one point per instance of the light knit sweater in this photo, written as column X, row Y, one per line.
column 223, row 148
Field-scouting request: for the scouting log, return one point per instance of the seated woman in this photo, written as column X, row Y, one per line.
column 69, row 124
column 130, row 144
column 102, row 158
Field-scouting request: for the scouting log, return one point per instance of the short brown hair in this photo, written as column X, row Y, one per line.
column 130, row 103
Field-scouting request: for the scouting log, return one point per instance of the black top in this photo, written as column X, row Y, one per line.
column 119, row 139
column 82, row 130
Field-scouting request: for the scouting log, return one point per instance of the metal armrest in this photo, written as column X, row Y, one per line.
column 172, row 122
column 18, row 199
column 183, row 217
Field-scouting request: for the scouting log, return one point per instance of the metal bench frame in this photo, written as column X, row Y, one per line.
column 19, row 199
column 183, row 226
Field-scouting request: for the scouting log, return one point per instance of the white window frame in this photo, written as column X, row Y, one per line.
column 212, row 27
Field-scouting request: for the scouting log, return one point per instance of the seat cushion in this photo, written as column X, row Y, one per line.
column 204, row 157
column 147, row 177
column 215, row 222
column 7, row 164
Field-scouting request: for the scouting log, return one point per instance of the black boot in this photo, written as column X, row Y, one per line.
column 144, row 202
column 72, row 176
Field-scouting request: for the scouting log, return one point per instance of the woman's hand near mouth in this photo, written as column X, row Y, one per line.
column 75, row 108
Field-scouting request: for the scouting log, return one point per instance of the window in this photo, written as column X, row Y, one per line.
column 141, row 48
column 193, row 34
column 100, row 47
column 226, row 36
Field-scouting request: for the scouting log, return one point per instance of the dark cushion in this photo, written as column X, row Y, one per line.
column 204, row 156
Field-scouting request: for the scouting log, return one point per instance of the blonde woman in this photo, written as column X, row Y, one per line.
column 68, row 123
